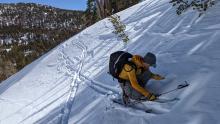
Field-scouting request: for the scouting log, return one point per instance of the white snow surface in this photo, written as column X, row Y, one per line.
column 70, row 83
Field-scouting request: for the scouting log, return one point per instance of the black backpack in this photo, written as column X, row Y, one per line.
column 117, row 61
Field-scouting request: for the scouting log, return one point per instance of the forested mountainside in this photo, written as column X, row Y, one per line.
column 28, row 30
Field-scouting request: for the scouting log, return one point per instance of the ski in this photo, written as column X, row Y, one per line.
column 159, row 100
column 136, row 104
column 131, row 105
column 163, row 100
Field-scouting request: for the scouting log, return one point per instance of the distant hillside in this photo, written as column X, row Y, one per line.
column 28, row 30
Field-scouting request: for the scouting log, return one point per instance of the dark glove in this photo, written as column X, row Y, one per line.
column 152, row 97
column 158, row 77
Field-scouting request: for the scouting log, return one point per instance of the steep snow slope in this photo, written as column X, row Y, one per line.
column 75, row 73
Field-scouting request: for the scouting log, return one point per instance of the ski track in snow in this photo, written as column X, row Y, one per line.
column 96, row 85
column 69, row 73
column 73, row 87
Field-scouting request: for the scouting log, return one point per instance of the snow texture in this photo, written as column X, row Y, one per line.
column 70, row 83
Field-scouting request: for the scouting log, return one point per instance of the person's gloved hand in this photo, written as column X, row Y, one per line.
column 158, row 77
column 152, row 97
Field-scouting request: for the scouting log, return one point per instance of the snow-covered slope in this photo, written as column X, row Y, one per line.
column 75, row 73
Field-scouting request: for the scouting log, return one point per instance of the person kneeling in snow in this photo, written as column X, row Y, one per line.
column 133, row 78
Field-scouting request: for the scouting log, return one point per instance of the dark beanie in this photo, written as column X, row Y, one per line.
column 150, row 58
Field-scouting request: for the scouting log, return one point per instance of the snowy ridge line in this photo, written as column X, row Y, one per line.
column 73, row 86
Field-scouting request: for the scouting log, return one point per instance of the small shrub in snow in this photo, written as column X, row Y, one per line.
column 119, row 27
column 199, row 5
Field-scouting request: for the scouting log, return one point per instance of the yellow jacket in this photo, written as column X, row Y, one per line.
column 129, row 73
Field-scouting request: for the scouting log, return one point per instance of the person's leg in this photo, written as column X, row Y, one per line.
column 131, row 92
column 124, row 96
column 142, row 81
column 144, row 78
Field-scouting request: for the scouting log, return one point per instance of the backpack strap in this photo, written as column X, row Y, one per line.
column 123, row 81
column 133, row 66
column 118, row 60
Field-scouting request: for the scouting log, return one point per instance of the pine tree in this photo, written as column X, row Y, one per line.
column 108, row 7
column 91, row 12
column 200, row 5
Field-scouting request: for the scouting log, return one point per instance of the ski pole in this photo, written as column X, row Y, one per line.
column 178, row 87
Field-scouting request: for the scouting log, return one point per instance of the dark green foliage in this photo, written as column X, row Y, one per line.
column 108, row 7
column 119, row 27
column 91, row 13
column 96, row 10
column 6, row 69
column 123, row 4
column 24, row 52
column 199, row 5
column 28, row 31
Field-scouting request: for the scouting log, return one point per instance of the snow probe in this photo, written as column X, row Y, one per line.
column 181, row 86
